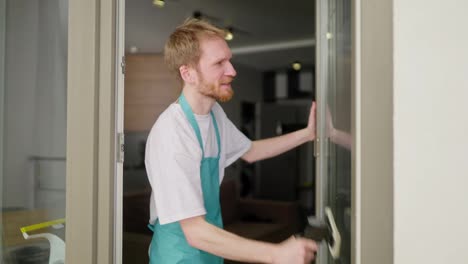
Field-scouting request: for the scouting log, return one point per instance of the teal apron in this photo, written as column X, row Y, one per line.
column 169, row 245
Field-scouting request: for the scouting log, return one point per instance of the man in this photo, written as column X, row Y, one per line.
column 187, row 150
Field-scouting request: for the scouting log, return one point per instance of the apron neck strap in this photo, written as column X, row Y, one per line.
column 193, row 122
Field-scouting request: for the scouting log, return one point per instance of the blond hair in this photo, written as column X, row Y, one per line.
column 183, row 45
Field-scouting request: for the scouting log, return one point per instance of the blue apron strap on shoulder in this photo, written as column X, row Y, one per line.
column 217, row 133
column 191, row 118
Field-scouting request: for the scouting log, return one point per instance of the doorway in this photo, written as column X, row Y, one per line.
column 272, row 97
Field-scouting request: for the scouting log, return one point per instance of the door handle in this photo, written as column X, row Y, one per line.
column 335, row 244
column 327, row 231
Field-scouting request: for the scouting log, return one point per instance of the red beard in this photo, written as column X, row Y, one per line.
column 216, row 91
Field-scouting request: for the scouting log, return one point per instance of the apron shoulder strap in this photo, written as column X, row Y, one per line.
column 193, row 122
column 218, row 140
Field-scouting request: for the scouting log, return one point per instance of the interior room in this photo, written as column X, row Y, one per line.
column 274, row 56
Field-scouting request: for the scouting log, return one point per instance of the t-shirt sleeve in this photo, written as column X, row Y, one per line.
column 237, row 144
column 173, row 166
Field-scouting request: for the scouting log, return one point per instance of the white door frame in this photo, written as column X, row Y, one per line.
column 91, row 135
column 355, row 132
column 372, row 129
column 119, row 128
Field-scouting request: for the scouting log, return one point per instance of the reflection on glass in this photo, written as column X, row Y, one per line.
column 33, row 130
column 338, row 120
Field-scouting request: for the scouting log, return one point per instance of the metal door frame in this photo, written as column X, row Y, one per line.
column 321, row 69
column 322, row 145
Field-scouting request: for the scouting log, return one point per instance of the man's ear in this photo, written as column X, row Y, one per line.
column 187, row 74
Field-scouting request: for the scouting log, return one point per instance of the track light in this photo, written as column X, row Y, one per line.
column 159, row 3
column 229, row 35
column 296, row 66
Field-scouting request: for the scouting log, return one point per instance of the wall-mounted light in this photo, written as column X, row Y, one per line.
column 133, row 49
column 159, row 3
column 229, row 35
column 296, row 66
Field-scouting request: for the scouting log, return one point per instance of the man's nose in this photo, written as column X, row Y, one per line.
column 230, row 71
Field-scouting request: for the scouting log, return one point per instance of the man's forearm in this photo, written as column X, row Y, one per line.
column 207, row 237
column 271, row 147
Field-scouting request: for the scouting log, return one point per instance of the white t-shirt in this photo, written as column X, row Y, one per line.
column 173, row 158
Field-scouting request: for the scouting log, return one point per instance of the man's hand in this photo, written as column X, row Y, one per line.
column 295, row 251
column 312, row 126
column 271, row 147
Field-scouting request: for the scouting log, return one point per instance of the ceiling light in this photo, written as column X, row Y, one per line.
column 296, row 66
column 229, row 36
column 159, row 3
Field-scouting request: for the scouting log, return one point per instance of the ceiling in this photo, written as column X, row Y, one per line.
column 279, row 32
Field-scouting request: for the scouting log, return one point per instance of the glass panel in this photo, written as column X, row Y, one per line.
column 33, row 129
column 338, row 121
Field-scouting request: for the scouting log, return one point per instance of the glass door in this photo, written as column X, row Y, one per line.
column 33, row 126
column 334, row 124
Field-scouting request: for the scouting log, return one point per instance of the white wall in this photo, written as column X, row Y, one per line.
column 20, row 82
column 424, row 84
column 51, row 93
column 430, row 131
